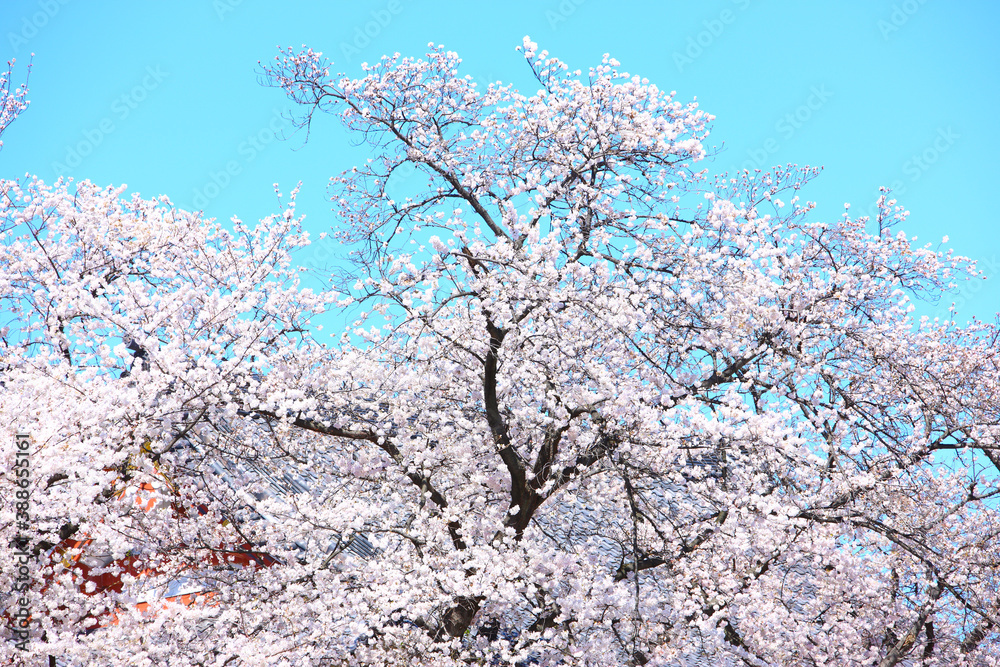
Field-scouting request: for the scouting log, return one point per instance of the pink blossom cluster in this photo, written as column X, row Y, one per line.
column 12, row 103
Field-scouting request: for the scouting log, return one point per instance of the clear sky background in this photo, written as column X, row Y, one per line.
column 163, row 96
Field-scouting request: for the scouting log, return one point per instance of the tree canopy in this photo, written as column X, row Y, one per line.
column 596, row 406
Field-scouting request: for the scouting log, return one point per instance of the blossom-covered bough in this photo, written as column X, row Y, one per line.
column 12, row 102
column 596, row 408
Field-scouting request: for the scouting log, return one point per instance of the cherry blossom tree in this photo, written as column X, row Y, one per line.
column 595, row 406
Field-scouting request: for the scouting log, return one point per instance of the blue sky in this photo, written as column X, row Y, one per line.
column 165, row 96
